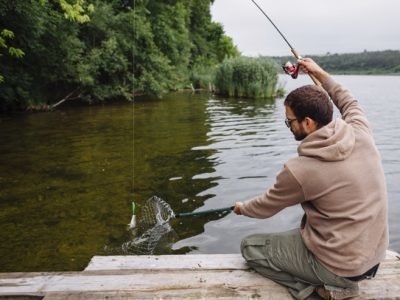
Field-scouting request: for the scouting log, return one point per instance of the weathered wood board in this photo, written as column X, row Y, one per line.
column 220, row 276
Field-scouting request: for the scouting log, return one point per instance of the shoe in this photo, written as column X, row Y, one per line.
column 337, row 294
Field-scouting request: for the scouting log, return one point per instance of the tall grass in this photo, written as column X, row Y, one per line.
column 247, row 77
column 202, row 76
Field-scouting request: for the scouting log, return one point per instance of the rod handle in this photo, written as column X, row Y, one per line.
column 313, row 78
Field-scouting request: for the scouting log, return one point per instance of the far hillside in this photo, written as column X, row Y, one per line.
column 374, row 62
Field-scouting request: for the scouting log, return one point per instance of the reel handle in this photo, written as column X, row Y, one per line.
column 298, row 56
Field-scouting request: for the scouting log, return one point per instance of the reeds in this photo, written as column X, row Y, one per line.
column 202, row 76
column 247, row 77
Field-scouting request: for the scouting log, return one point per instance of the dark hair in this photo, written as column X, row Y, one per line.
column 310, row 101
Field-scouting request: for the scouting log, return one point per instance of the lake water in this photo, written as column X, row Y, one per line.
column 67, row 178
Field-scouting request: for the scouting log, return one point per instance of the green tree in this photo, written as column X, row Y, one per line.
column 55, row 50
column 75, row 11
column 105, row 70
column 51, row 47
column 178, row 39
column 6, row 35
column 172, row 37
column 152, row 70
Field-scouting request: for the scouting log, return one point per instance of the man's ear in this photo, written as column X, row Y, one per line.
column 310, row 125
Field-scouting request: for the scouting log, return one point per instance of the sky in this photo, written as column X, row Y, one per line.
column 310, row 26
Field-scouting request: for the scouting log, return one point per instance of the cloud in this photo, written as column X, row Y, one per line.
column 311, row 26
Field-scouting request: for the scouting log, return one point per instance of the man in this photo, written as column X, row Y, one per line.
column 339, row 181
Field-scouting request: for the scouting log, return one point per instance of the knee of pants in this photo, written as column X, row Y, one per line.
column 243, row 246
column 253, row 247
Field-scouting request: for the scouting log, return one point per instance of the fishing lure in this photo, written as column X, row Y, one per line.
column 132, row 224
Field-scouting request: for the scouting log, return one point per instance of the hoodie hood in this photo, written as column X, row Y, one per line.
column 333, row 142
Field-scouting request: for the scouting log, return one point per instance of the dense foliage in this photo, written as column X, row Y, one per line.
column 176, row 44
column 367, row 62
column 247, row 77
column 96, row 50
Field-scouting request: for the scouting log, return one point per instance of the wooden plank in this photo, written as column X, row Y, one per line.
column 167, row 262
column 192, row 262
column 209, row 294
column 195, row 294
column 174, row 276
column 171, row 283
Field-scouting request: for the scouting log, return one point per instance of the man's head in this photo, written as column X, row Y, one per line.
column 308, row 108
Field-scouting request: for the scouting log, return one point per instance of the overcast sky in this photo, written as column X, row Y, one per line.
column 310, row 26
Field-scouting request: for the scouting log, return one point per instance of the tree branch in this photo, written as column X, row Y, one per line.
column 66, row 98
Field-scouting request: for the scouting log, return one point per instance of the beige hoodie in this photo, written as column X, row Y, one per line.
column 339, row 181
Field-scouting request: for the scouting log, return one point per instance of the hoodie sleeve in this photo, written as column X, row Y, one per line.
column 285, row 192
column 349, row 108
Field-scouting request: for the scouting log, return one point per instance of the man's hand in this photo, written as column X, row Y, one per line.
column 237, row 210
column 308, row 66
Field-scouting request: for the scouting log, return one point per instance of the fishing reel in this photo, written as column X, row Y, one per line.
column 291, row 69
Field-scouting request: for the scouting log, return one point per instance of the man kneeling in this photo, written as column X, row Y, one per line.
column 338, row 179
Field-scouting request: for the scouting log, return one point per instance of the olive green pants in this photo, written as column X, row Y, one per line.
column 284, row 258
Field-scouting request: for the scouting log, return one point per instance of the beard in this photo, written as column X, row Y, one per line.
column 299, row 135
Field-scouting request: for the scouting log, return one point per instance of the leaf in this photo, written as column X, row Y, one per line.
column 2, row 43
column 7, row 34
column 18, row 53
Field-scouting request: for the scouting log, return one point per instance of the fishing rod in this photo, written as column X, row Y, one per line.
column 289, row 68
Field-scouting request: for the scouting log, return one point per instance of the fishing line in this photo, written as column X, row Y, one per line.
column 273, row 24
column 132, row 223
column 133, row 220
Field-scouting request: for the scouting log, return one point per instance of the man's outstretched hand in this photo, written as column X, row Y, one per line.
column 308, row 66
column 237, row 210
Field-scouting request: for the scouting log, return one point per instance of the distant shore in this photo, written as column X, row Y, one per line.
column 365, row 63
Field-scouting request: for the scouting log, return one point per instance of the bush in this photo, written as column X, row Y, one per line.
column 247, row 77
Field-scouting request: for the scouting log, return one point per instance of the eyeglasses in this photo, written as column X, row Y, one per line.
column 288, row 121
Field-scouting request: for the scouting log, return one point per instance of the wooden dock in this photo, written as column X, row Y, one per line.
column 213, row 276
